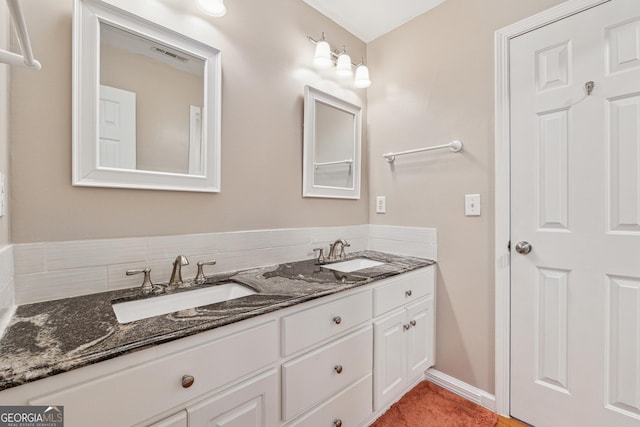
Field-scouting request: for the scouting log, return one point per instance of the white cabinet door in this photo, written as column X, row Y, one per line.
column 403, row 349
column 175, row 420
column 254, row 403
column 390, row 358
column 419, row 338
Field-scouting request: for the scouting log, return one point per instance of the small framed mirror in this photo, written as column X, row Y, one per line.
column 133, row 131
column 332, row 145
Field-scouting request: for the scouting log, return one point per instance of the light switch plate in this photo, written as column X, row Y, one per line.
column 381, row 204
column 472, row 205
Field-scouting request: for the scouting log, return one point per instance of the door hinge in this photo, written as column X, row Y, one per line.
column 509, row 246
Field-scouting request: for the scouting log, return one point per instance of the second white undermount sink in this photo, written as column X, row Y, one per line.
column 353, row 265
column 129, row 311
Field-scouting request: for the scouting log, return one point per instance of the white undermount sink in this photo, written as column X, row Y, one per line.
column 353, row 265
column 129, row 311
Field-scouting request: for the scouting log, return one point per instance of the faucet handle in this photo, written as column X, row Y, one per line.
column 320, row 259
column 147, row 286
column 200, row 277
column 345, row 244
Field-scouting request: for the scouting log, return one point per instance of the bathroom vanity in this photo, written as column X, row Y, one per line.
column 313, row 346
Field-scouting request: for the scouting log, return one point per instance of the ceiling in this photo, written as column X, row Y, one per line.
column 369, row 19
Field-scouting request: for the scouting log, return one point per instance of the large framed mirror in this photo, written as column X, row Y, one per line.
column 332, row 145
column 131, row 130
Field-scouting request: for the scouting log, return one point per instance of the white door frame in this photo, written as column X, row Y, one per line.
column 503, row 183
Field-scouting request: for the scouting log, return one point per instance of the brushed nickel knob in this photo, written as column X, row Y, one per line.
column 408, row 293
column 187, row 381
column 338, row 368
column 413, row 323
column 337, row 422
column 337, row 320
column 523, row 247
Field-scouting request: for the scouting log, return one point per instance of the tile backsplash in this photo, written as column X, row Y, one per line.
column 7, row 299
column 54, row 270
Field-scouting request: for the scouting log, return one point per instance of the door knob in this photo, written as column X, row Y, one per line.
column 523, row 247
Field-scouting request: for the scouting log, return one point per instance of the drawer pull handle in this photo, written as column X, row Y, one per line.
column 337, row 422
column 413, row 323
column 338, row 368
column 337, row 320
column 187, row 381
column 408, row 293
column 406, row 326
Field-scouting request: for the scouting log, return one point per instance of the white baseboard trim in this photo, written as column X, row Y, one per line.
column 469, row 392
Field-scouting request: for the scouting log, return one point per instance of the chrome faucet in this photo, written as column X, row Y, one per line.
column 332, row 249
column 176, row 273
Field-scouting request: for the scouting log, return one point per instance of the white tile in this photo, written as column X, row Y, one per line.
column 244, row 241
column 290, row 237
column 29, row 258
column 7, row 295
column 411, row 234
column 91, row 253
column 232, row 261
column 326, row 235
column 421, row 250
column 163, row 247
column 6, row 265
column 30, row 288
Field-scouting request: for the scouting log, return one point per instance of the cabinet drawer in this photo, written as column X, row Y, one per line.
column 403, row 290
column 352, row 407
column 253, row 403
column 140, row 392
column 316, row 376
column 308, row 327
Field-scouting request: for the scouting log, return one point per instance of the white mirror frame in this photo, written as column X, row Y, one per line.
column 87, row 16
column 312, row 96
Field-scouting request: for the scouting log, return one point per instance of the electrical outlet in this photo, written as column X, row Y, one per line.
column 472, row 205
column 381, row 204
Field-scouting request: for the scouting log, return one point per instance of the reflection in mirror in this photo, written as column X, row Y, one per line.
column 331, row 146
column 148, row 124
column 146, row 110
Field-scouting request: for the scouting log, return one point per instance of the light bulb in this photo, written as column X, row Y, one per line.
column 362, row 77
column 322, row 58
column 213, row 7
column 343, row 68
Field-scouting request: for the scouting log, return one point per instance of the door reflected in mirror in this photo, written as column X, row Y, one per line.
column 149, row 124
column 331, row 146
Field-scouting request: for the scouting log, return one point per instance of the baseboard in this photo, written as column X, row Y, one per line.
column 462, row 389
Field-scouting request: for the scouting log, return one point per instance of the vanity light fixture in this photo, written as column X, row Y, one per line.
column 325, row 56
column 322, row 57
column 343, row 64
column 212, row 7
column 362, row 79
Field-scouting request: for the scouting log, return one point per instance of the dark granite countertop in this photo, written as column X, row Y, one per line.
column 52, row 337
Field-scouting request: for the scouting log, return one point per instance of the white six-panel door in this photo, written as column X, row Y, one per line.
column 117, row 127
column 575, row 193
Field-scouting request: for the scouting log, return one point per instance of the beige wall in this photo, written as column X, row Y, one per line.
column 4, row 120
column 434, row 76
column 265, row 62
